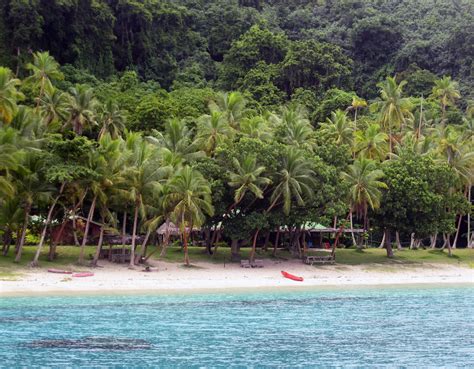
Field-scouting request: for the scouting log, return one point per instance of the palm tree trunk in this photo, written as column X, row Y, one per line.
column 216, row 244
column 124, row 230
column 382, row 243
column 397, row 239
column 185, row 245
column 443, row 115
column 74, row 229
column 418, row 134
column 207, row 238
column 445, row 239
column 277, row 239
column 134, row 235
column 86, row 230
column 23, row 233
column 434, row 238
column 448, row 243
column 354, row 243
column 254, row 246
column 166, row 239
column 18, row 239
column 336, row 241
column 7, row 239
column 412, row 241
column 99, row 245
column 46, row 225
column 234, row 250
column 458, row 230
column 53, row 242
column 388, row 244
column 469, row 237
column 142, row 247
column 267, row 239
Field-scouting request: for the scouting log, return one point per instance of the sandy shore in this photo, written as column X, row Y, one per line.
column 174, row 277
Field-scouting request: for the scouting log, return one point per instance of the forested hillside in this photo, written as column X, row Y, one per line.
column 248, row 117
column 269, row 48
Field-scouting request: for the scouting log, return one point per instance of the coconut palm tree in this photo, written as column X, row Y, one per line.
column 356, row 105
column 9, row 95
column 44, row 70
column 31, row 189
column 177, row 143
column 447, row 92
column 190, row 196
column 81, row 108
column 11, row 155
column 338, row 129
column 110, row 119
column 258, row 126
column 449, row 141
column 105, row 162
column 142, row 178
column 213, row 129
column 365, row 186
column 54, row 106
column 294, row 181
column 248, row 177
column 372, row 143
column 393, row 109
column 294, row 128
column 11, row 217
column 231, row 105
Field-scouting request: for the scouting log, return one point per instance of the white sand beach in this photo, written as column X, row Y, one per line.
column 113, row 278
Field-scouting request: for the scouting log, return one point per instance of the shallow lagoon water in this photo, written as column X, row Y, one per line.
column 357, row 327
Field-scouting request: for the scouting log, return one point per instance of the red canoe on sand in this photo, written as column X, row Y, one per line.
column 291, row 276
column 59, row 271
column 83, row 274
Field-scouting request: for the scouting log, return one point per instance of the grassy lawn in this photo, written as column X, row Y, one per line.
column 68, row 255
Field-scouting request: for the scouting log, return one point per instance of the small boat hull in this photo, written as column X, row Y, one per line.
column 291, row 276
column 59, row 271
column 83, row 274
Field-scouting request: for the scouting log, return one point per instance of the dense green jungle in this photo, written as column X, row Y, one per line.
column 239, row 119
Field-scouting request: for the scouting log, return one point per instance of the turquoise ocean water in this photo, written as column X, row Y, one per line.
column 416, row 327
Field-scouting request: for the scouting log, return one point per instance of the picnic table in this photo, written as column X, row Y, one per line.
column 320, row 259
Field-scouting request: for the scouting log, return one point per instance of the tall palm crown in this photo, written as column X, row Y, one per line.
column 54, row 106
column 294, row 127
column 31, row 187
column 363, row 177
column 190, row 198
column 372, row 143
column 190, row 194
column 447, row 92
column 295, row 181
column 111, row 119
column 257, row 127
column 8, row 95
column 231, row 105
column 213, row 129
column 177, row 142
column 82, row 108
column 338, row 128
column 247, row 178
column 44, row 70
column 357, row 104
column 393, row 108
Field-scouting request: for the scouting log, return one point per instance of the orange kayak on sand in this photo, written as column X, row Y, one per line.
column 292, row 277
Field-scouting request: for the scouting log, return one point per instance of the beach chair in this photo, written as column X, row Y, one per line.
column 245, row 264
